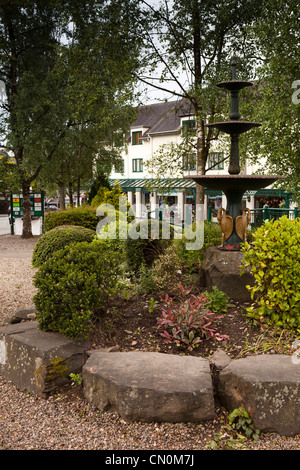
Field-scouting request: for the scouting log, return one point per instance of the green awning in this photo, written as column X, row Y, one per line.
column 171, row 184
column 180, row 184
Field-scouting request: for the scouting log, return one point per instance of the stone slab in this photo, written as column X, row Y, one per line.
column 149, row 386
column 223, row 269
column 269, row 388
column 22, row 315
column 37, row 361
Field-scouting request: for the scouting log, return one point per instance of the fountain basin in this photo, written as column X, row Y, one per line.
column 234, row 187
column 234, row 85
column 234, row 127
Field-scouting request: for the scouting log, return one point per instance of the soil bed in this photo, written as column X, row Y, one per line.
column 132, row 325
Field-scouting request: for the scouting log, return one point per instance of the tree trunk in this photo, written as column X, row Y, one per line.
column 78, row 191
column 201, row 160
column 27, row 228
column 71, row 195
column 62, row 201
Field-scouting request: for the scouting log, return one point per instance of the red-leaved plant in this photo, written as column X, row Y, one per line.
column 188, row 321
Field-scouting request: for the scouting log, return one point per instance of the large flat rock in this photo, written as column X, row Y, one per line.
column 269, row 388
column 149, row 386
column 38, row 361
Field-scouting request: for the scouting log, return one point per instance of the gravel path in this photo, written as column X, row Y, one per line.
column 65, row 421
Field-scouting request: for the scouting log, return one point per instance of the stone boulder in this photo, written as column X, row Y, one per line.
column 38, row 361
column 268, row 386
column 223, row 269
column 24, row 314
column 149, row 386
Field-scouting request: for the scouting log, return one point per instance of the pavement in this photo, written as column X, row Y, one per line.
column 5, row 227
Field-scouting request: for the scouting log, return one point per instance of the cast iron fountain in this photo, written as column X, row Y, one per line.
column 234, row 221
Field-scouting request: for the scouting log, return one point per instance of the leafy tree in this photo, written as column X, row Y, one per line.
column 274, row 102
column 193, row 41
column 8, row 176
column 53, row 87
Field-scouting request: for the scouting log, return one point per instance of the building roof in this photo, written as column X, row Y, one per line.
column 162, row 117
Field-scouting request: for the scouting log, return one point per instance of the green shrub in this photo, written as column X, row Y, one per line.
column 108, row 196
column 217, row 300
column 58, row 238
column 211, row 236
column 84, row 216
column 274, row 259
column 149, row 246
column 164, row 274
column 74, row 284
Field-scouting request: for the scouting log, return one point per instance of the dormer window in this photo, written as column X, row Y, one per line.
column 136, row 138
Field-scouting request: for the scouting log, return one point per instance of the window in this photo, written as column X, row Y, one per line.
column 189, row 162
column 215, row 160
column 136, row 138
column 189, row 127
column 137, row 165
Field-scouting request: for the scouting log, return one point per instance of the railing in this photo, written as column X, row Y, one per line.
column 258, row 216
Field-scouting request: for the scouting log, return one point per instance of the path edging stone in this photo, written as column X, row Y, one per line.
column 38, row 361
column 150, row 386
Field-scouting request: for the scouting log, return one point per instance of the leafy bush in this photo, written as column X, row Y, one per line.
column 274, row 259
column 73, row 285
column 108, row 196
column 217, row 300
column 146, row 242
column 57, row 239
column 84, row 216
column 164, row 274
column 212, row 236
column 189, row 321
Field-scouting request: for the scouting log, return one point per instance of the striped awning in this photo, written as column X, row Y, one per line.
column 173, row 184
column 180, row 184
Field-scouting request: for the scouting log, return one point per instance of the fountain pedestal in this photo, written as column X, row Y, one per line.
column 222, row 269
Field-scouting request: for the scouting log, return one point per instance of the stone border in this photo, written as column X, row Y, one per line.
column 149, row 386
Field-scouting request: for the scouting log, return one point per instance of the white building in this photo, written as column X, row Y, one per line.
column 164, row 123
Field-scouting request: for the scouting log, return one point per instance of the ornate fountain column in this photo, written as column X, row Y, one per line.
column 234, row 221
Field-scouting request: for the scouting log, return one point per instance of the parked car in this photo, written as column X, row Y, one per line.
column 51, row 207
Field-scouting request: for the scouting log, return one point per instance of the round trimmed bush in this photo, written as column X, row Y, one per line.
column 84, row 216
column 73, row 286
column 57, row 239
